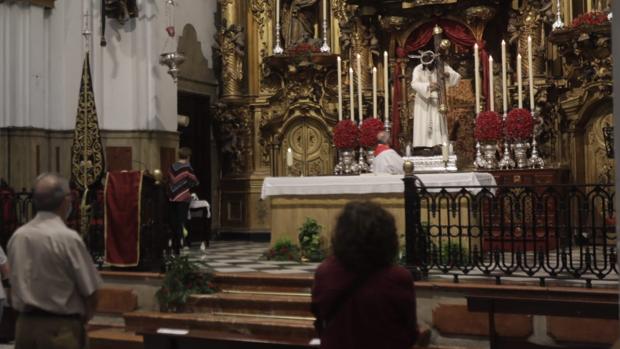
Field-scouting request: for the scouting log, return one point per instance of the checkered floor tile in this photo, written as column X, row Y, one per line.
column 245, row 257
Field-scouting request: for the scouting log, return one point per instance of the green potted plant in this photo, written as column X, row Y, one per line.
column 182, row 279
column 310, row 241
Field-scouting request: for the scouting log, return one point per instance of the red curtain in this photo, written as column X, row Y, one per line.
column 396, row 98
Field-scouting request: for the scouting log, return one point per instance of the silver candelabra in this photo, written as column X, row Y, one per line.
column 278, row 50
column 325, row 47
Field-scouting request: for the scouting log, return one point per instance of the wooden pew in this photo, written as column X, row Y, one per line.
column 538, row 306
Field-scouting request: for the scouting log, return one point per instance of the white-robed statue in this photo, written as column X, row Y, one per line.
column 386, row 159
column 429, row 127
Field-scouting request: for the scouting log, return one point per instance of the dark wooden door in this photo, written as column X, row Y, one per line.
column 197, row 136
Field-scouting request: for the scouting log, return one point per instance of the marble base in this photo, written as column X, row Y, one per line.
column 432, row 163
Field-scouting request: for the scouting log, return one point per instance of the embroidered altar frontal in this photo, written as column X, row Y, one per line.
column 293, row 199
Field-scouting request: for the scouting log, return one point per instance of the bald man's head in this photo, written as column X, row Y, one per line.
column 383, row 137
column 50, row 192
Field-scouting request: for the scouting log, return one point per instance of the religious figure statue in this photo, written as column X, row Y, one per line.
column 298, row 20
column 386, row 159
column 230, row 45
column 429, row 125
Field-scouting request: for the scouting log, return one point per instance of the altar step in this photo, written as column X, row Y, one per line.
column 262, row 282
column 257, row 303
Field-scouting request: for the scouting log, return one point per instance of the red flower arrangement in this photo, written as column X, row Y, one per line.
column 590, row 18
column 346, row 135
column 519, row 124
column 302, row 49
column 369, row 131
column 488, row 127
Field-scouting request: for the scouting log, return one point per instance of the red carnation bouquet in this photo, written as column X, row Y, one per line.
column 346, row 135
column 590, row 18
column 519, row 124
column 369, row 131
column 303, row 49
column 488, row 127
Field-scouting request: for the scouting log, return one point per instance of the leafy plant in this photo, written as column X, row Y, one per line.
column 182, row 279
column 283, row 250
column 310, row 241
column 450, row 253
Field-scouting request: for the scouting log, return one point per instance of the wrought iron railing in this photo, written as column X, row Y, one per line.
column 557, row 231
column 16, row 209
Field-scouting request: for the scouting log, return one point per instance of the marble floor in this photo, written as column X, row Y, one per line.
column 244, row 256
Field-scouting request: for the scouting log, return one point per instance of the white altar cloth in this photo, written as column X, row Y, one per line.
column 369, row 184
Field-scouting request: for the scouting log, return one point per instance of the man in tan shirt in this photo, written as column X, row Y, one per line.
column 53, row 278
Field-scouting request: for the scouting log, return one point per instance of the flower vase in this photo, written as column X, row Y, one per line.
column 520, row 148
column 489, row 152
column 370, row 159
column 362, row 165
column 349, row 165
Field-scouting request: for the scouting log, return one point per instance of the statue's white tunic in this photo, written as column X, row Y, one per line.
column 429, row 128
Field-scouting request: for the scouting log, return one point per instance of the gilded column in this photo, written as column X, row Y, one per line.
column 230, row 45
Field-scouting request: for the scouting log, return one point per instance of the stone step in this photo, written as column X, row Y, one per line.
column 285, row 304
column 262, row 282
column 249, row 324
column 114, row 338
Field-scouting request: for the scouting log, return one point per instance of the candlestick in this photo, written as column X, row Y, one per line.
column 325, row 47
column 558, row 24
column 386, row 87
column 491, row 87
column 289, row 157
column 278, row 50
column 359, row 89
column 351, row 93
column 445, row 154
column 519, row 81
column 374, row 92
column 477, row 78
column 339, row 72
column 504, row 82
column 530, row 70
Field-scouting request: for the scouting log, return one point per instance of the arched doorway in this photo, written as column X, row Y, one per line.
column 311, row 147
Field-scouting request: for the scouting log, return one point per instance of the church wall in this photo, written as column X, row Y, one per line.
column 40, row 71
column 42, row 61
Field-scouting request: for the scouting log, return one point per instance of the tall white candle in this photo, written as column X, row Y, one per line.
column 277, row 13
column 374, row 92
column 339, row 72
column 477, row 78
column 324, row 10
column 351, row 93
column 386, row 87
column 491, row 85
column 445, row 152
column 530, row 70
column 519, row 81
column 504, row 82
column 359, row 89
column 289, row 157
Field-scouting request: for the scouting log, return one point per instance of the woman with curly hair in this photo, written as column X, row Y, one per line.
column 361, row 298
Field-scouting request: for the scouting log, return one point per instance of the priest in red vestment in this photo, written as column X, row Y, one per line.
column 386, row 160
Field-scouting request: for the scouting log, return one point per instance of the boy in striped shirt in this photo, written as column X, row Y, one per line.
column 181, row 179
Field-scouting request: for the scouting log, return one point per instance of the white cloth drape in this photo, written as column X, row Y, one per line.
column 369, row 184
column 429, row 127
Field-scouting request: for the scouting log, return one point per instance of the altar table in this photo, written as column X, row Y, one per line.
column 293, row 199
